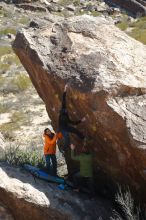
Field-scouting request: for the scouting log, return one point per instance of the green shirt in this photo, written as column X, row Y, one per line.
column 85, row 163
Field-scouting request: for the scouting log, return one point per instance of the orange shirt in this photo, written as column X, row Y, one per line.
column 50, row 144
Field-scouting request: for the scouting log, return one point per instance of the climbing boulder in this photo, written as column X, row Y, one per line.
column 106, row 70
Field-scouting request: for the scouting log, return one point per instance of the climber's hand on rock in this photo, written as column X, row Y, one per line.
column 72, row 146
column 83, row 119
column 65, row 88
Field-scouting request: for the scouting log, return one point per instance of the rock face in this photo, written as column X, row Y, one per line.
column 106, row 70
column 30, row 199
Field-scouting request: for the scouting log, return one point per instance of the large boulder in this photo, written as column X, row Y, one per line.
column 106, row 70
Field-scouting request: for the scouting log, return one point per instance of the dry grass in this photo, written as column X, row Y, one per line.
column 17, row 119
column 5, row 50
column 3, row 108
column 23, row 20
column 22, row 82
column 17, row 156
column 68, row 2
column 8, row 30
column 138, row 28
column 127, row 208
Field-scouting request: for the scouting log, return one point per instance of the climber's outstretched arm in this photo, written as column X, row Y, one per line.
column 64, row 97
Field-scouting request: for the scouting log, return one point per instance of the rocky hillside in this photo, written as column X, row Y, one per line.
column 21, row 110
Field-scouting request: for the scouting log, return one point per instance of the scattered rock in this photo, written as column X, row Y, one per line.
column 54, row 8
column 31, row 7
column 71, row 8
column 55, row 1
column 44, row 2
column 21, row 1
column 11, row 36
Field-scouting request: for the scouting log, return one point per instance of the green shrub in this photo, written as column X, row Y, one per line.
column 78, row 13
column 2, row 80
column 3, row 68
column 23, row 20
column 123, row 25
column 11, row 59
column 9, row 127
column 18, row 117
column 138, row 28
column 65, row 2
column 16, row 120
column 95, row 13
column 76, row 2
column 5, row 50
column 9, row 135
column 138, row 31
column 22, row 82
column 2, row 12
column 61, row 14
column 140, row 23
column 3, row 108
column 68, row 2
column 8, row 30
column 127, row 207
column 17, row 156
column 7, row 13
column 7, row 61
column 139, row 35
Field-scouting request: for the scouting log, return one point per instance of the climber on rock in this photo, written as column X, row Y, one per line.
column 50, row 150
column 64, row 123
column 83, row 178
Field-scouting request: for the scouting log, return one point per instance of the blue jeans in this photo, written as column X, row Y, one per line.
column 51, row 164
column 66, row 139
